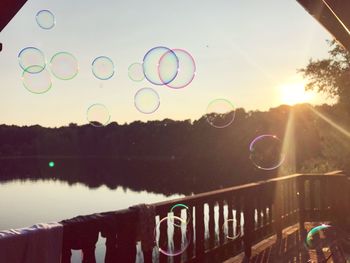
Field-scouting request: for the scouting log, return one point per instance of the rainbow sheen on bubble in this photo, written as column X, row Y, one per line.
column 32, row 60
column 37, row 83
column 172, row 236
column 135, row 72
column 146, row 100
column 151, row 65
column 98, row 115
column 321, row 236
column 177, row 210
column 186, row 68
column 231, row 229
column 220, row 113
column 103, row 68
column 266, row 152
column 64, row 66
column 45, row 19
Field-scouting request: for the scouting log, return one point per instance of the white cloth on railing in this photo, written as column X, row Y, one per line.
column 146, row 225
column 41, row 243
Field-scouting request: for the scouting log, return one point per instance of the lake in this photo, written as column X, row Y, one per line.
column 27, row 202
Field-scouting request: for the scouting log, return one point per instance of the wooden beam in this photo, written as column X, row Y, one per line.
column 8, row 9
column 333, row 15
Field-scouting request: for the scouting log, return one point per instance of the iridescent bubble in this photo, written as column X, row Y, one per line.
column 151, row 65
column 321, row 236
column 177, row 210
column 64, row 66
column 37, row 83
column 266, row 152
column 220, row 113
column 146, row 100
column 103, row 68
column 32, row 60
column 98, row 115
column 172, row 236
column 186, row 68
column 231, row 229
column 45, row 19
column 135, row 72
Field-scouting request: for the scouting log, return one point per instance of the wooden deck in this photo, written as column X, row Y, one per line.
column 274, row 229
column 291, row 248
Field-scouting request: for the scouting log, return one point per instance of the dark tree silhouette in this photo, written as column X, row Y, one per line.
column 331, row 75
column 165, row 156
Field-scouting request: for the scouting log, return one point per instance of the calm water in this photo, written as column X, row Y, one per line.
column 24, row 203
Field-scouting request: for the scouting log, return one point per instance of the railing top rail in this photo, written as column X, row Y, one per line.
column 337, row 172
column 239, row 188
column 202, row 197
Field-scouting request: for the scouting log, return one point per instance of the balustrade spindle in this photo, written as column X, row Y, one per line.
column 199, row 232
column 211, row 224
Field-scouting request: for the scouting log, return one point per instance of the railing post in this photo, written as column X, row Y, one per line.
column 120, row 232
column 301, row 203
column 199, row 232
column 340, row 200
column 80, row 233
column 248, row 213
column 277, row 210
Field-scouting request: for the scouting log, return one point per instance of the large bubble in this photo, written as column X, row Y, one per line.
column 172, row 236
column 220, row 113
column 103, row 68
column 151, row 65
column 37, row 83
column 186, row 68
column 64, row 66
column 45, row 19
column 98, row 115
column 323, row 236
column 146, row 100
column 266, row 152
column 32, row 60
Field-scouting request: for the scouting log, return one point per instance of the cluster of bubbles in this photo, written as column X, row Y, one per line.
column 328, row 238
column 174, row 68
column 161, row 66
column 36, row 77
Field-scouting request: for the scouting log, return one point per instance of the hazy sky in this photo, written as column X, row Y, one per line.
column 245, row 51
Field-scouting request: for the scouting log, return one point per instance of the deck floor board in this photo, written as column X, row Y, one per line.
column 290, row 248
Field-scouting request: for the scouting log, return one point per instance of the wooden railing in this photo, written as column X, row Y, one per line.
column 264, row 208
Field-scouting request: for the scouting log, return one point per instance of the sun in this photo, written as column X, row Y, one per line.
column 294, row 93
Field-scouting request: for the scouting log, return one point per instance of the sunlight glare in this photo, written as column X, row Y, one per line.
column 295, row 93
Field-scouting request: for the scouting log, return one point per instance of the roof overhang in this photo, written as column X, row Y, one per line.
column 333, row 15
column 8, row 9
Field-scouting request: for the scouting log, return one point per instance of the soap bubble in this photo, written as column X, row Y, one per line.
column 146, row 100
column 45, row 19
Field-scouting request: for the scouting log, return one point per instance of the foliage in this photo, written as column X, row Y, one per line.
column 167, row 156
column 331, row 75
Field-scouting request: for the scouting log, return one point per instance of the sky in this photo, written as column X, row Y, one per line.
column 246, row 51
